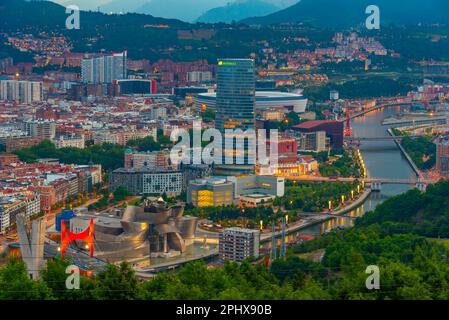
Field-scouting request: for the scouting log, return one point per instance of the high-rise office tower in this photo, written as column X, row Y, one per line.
column 235, row 110
column 104, row 69
column 21, row 91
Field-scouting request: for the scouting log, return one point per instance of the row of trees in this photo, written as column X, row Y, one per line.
column 345, row 166
column 314, row 197
column 234, row 215
column 422, row 151
column 398, row 237
column 194, row 281
column 110, row 156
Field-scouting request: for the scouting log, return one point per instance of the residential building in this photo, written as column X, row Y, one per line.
column 334, row 130
column 148, row 182
column 104, row 69
column 199, row 76
column 150, row 160
column 21, row 91
column 69, row 142
column 45, row 130
column 238, row 244
column 313, row 141
column 16, row 143
column 7, row 159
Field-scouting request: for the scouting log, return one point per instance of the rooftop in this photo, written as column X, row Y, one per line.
column 313, row 123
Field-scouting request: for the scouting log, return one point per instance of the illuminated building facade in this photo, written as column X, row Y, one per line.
column 210, row 192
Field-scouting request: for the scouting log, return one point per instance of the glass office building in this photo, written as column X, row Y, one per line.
column 235, row 110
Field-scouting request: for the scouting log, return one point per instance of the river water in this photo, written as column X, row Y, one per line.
column 383, row 159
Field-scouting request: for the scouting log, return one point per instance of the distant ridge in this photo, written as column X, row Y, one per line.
column 40, row 14
column 348, row 13
column 237, row 11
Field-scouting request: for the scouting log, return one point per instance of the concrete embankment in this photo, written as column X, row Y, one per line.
column 321, row 217
column 409, row 159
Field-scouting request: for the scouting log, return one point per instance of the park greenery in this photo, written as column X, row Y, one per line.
column 421, row 149
column 404, row 237
column 110, row 156
column 228, row 216
column 343, row 165
column 314, row 197
column 120, row 194
column 299, row 197
column 361, row 88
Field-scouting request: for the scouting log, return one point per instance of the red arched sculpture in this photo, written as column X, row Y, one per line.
column 87, row 235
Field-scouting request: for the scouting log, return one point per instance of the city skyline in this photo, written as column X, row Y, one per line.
column 134, row 156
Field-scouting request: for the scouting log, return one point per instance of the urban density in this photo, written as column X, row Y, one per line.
column 288, row 154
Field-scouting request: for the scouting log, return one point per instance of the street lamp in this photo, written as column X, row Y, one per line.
column 330, row 205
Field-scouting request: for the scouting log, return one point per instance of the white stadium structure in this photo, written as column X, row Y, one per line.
column 264, row 100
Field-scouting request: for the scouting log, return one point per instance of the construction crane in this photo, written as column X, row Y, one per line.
column 348, row 122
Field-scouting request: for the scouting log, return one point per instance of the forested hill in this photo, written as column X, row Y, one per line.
column 425, row 214
column 17, row 14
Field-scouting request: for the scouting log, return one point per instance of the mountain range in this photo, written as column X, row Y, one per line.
column 238, row 10
column 185, row 10
column 348, row 13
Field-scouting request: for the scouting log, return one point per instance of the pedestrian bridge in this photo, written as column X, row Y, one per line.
column 383, row 138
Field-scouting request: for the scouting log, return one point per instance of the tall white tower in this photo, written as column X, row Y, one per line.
column 32, row 249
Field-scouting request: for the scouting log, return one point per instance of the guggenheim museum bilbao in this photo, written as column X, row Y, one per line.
column 264, row 100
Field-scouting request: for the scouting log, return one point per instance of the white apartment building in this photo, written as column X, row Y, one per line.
column 238, row 244
column 21, row 91
column 70, row 141
column 199, row 76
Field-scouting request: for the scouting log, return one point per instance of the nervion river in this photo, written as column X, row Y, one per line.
column 383, row 159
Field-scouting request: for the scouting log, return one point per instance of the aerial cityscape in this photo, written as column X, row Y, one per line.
column 224, row 150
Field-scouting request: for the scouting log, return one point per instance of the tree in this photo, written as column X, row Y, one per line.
column 54, row 275
column 15, row 283
column 117, row 283
column 121, row 193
